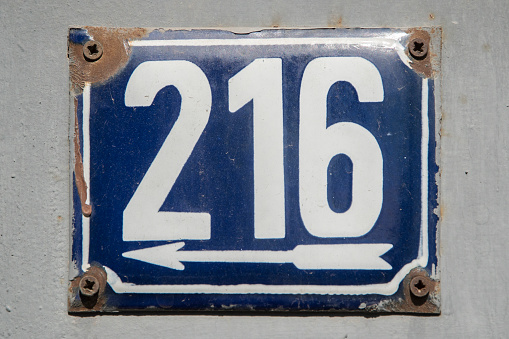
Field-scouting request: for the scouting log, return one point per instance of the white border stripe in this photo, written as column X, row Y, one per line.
column 85, row 228
column 391, row 43
column 265, row 42
column 384, row 289
column 423, row 249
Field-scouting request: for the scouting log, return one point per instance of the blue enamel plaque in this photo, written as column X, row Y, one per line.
column 290, row 170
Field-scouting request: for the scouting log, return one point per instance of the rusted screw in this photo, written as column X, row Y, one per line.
column 420, row 286
column 92, row 50
column 89, row 286
column 418, row 48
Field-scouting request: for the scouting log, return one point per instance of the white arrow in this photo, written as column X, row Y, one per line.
column 304, row 257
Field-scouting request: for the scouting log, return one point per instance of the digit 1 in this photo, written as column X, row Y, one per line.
column 318, row 144
column 261, row 81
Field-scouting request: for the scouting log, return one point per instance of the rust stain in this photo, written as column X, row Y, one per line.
column 276, row 21
column 335, row 22
column 431, row 16
column 442, row 211
column 78, row 303
column 81, row 185
column 116, row 51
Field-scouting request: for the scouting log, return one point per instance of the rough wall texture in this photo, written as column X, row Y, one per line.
column 34, row 165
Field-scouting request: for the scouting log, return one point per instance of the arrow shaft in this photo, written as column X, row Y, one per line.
column 279, row 257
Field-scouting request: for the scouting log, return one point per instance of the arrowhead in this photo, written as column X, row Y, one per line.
column 165, row 255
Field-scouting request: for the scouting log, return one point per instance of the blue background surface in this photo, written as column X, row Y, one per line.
column 218, row 177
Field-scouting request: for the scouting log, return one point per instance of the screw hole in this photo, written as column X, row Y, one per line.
column 420, row 285
column 418, row 47
column 93, row 49
column 89, row 285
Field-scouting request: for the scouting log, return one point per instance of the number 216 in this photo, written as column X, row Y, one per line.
column 261, row 82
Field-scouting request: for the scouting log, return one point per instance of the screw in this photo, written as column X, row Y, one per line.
column 420, row 286
column 92, row 50
column 418, row 48
column 89, row 286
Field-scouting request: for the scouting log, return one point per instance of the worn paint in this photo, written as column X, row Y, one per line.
column 115, row 56
column 116, row 52
column 429, row 65
column 429, row 304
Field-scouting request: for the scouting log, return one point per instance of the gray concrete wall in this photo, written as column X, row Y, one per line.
column 34, row 165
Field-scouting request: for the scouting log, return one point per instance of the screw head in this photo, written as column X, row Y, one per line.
column 418, row 48
column 89, row 285
column 420, row 286
column 92, row 50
